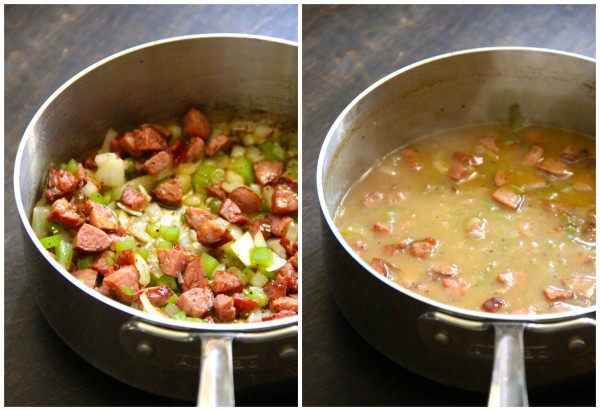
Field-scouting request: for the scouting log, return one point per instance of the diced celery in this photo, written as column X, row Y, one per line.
column 125, row 244
column 217, row 175
column 202, row 176
column 85, row 262
column 64, row 253
column 164, row 279
column 127, row 290
column 39, row 221
column 261, row 256
column 194, row 320
column 153, row 229
column 143, row 252
column 273, row 151
column 257, row 293
column 169, row 233
column 72, row 166
column 214, row 204
column 99, row 198
column 209, row 263
column 163, row 244
column 291, row 169
column 243, row 166
column 51, row 242
column 179, row 316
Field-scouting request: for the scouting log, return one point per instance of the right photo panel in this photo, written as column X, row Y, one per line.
column 449, row 205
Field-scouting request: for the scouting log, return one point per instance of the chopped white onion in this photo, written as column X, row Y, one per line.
column 143, row 269
column 148, row 307
column 112, row 172
column 242, row 246
column 259, row 279
column 89, row 189
column 238, row 151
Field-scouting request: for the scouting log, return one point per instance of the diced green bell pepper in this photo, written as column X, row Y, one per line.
column 64, row 253
column 169, row 233
column 209, row 263
column 243, row 166
column 51, row 242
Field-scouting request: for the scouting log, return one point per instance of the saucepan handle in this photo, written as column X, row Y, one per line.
column 508, row 387
column 216, row 373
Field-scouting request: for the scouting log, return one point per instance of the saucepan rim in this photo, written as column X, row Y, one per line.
column 321, row 178
column 290, row 322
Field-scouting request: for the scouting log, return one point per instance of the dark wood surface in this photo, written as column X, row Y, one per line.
column 345, row 49
column 44, row 47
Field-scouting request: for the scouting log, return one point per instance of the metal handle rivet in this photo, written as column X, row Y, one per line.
column 288, row 353
column 442, row 339
column 576, row 344
column 144, row 350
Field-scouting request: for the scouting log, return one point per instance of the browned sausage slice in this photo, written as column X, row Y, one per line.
column 232, row 213
column 196, row 302
column 158, row 162
column 267, row 172
column 149, row 138
column 172, row 261
column 555, row 168
column 196, row 124
column 101, row 216
column 224, row 308
column 284, row 200
column 194, row 275
column 227, row 283
column 87, row 276
column 218, row 143
column 246, row 199
column 508, row 198
column 534, row 156
column 65, row 214
column 133, row 198
column 123, row 283
column 90, row 239
column 61, row 183
column 169, row 193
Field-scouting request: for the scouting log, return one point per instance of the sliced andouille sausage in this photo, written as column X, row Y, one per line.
column 224, row 308
column 553, row 293
column 422, row 248
column 65, row 214
column 555, row 168
column 169, row 193
column 196, row 217
column 372, row 198
column 508, row 278
column 194, row 149
column 508, row 198
column 213, row 233
column 275, row 289
column 125, row 143
column 290, row 247
column 278, row 315
column 172, row 261
column 501, row 177
column 158, row 295
column 289, row 276
column 104, row 263
column 489, row 142
column 267, row 172
column 571, row 156
column 87, row 276
column 194, row 275
column 459, row 172
column 123, row 283
column 61, row 183
column 196, row 124
column 534, row 156
column 158, row 162
column 133, row 198
column 581, row 285
column 284, row 304
column 456, row 286
column 445, row 269
column 90, row 163
column 196, row 302
column 284, row 200
column 100, row 216
column 467, row 158
column 411, row 158
column 381, row 228
column 380, row 266
column 492, row 305
column 150, row 138
column 218, row 143
column 291, row 182
column 90, row 239
column 215, row 190
column 243, row 304
column 231, row 212
column 227, row 283
column 125, row 257
column 294, row 261
column 246, row 199
column 279, row 224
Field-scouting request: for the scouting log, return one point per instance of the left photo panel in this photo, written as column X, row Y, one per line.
column 151, row 210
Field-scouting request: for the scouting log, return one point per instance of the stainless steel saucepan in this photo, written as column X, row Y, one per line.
column 239, row 73
column 462, row 348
